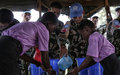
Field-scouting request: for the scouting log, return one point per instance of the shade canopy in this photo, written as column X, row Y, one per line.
column 90, row 6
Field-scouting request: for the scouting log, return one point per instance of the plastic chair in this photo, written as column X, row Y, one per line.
column 38, row 70
column 96, row 69
column 53, row 63
column 84, row 71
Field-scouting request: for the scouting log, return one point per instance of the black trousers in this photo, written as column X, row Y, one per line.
column 111, row 65
column 10, row 50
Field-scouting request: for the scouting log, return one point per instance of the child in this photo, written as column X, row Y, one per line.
column 99, row 50
column 15, row 41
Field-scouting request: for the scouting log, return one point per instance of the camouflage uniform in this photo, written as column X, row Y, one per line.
column 113, row 36
column 53, row 45
column 109, row 32
column 78, row 46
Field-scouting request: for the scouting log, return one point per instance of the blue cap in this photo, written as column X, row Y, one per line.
column 76, row 10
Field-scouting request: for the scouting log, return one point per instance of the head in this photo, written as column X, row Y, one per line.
column 50, row 20
column 6, row 17
column 118, row 11
column 56, row 8
column 95, row 20
column 76, row 12
column 26, row 16
column 86, row 28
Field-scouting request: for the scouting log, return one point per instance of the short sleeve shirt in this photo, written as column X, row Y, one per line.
column 30, row 34
column 99, row 47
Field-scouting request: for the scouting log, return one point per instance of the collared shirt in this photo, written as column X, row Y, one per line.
column 99, row 47
column 78, row 46
column 53, row 42
column 30, row 34
column 113, row 34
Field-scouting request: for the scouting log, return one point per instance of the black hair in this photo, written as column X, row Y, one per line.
column 6, row 15
column 86, row 22
column 49, row 17
column 56, row 5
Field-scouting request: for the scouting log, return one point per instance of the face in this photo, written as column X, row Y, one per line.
column 27, row 16
column 95, row 21
column 85, row 33
column 51, row 27
column 118, row 12
column 56, row 11
column 77, row 19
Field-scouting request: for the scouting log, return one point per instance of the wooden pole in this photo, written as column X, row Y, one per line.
column 94, row 10
column 108, row 13
column 39, row 4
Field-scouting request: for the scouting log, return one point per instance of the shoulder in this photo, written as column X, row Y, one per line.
column 94, row 36
column 38, row 24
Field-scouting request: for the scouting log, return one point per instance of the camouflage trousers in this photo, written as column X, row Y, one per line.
column 116, row 41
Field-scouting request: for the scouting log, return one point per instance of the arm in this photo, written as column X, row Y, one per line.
column 46, row 63
column 63, row 51
column 46, row 66
column 30, row 59
column 63, row 40
column 85, row 64
column 45, row 59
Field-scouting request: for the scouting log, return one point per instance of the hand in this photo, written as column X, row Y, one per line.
column 68, row 22
column 74, row 71
column 52, row 72
column 63, row 51
column 43, row 67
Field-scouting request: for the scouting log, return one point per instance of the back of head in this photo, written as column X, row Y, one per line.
column 56, row 5
column 6, row 16
column 76, row 10
column 86, row 22
column 49, row 17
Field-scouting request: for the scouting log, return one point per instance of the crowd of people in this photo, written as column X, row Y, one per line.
column 51, row 35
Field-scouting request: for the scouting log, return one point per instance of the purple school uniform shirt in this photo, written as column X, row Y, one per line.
column 29, row 34
column 99, row 47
